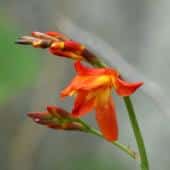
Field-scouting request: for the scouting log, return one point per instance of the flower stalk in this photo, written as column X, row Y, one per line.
column 137, row 133
column 119, row 145
column 135, row 126
column 122, row 147
column 57, row 118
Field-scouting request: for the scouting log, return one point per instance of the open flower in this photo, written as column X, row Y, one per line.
column 93, row 87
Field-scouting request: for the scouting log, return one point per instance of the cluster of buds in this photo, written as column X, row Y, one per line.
column 58, row 44
column 56, row 118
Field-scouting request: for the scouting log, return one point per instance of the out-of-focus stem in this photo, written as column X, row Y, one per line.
column 121, row 146
column 137, row 133
column 134, row 124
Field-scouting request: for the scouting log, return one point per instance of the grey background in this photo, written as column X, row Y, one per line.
column 137, row 30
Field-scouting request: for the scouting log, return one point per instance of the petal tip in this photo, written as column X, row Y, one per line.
column 126, row 89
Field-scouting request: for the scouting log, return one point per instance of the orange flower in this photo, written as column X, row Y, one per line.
column 93, row 87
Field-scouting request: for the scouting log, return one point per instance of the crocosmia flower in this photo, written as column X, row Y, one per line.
column 93, row 87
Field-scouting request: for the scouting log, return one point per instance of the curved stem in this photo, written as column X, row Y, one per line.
column 137, row 133
column 119, row 145
column 134, row 124
column 122, row 147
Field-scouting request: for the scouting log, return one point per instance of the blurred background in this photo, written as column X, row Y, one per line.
column 32, row 78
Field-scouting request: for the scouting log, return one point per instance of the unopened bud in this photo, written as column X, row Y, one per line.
column 73, row 46
column 56, row 118
column 35, row 42
column 58, row 112
column 44, row 36
column 58, row 35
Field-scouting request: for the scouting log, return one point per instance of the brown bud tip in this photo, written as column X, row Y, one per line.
column 36, row 41
column 89, row 56
column 23, row 42
column 26, row 40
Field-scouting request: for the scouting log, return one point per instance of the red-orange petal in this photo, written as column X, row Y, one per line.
column 84, row 70
column 86, row 83
column 82, row 105
column 107, row 121
column 71, row 88
column 126, row 89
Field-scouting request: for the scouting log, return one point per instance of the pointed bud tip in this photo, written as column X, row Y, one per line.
column 31, row 114
column 39, row 115
column 22, row 42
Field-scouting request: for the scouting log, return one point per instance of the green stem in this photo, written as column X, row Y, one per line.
column 123, row 147
column 134, row 124
column 137, row 133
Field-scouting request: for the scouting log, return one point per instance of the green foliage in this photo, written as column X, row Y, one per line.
column 18, row 65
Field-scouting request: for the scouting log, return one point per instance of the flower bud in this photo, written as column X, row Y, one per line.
column 56, row 118
column 58, row 112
